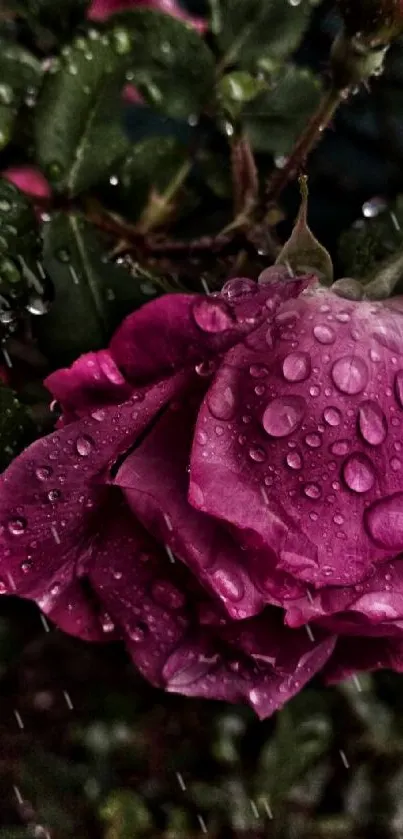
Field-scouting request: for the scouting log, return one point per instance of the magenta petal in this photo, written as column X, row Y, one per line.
column 306, row 462
column 91, row 383
column 29, row 180
column 67, row 605
column 52, row 496
column 182, row 329
column 154, row 480
column 102, row 9
column 263, row 663
column 358, row 655
column 375, row 607
column 141, row 591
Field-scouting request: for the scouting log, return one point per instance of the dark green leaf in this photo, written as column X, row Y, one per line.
column 18, row 225
column 92, row 295
column 250, row 31
column 45, row 17
column 22, row 281
column 169, row 61
column 126, row 814
column 16, row 427
column 150, row 166
column 274, row 119
column 302, row 736
column 236, row 89
column 372, row 239
column 20, row 77
column 79, row 130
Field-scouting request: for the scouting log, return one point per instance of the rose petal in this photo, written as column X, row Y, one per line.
column 254, row 675
column 154, row 480
column 91, row 383
column 143, row 594
column 307, row 463
column 52, row 496
column 182, row 329
column 375, row 607
column 358, row 655
column 102, row 9
column 29, row 180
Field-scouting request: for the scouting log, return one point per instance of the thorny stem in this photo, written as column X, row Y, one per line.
column 307, row 141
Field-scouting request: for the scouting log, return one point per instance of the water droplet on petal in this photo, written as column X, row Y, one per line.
column 324, row 334
column 107, row 623
column 99, row 415
column 338, row 519
column 399, row 388
column 297, row 367
column 358, row 473
column 372, row 423
column 340, row 447
column 84, row 445
column 238, row 287
column 294, row 460
column 389, row 333
column 384, row 521
column 257, row 453
column 228, row 585
column 396, row 464
column 313, row 441
column 283, row 415
column 206, row 368
column 258, row 371
column 166, row 594
column 17, row 526
column 137, row 634
column 343, row 317
column 26, row 566
column 350, row 374
column 332, row 416
column 211, row 316
column 43, row 473
column 221, row 401
column 54, row 495
column 312, row 491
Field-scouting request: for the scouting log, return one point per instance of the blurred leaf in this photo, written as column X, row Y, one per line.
column 237, row 88
column 169, row 62
column 22, row 280
column 44, row 16
column 20, row 77
column 16, row 427
column 18, row 225
column 150, row 166
column 250, row 31
column 79, row 123
column 275, row 118
column 126, row 815
column 371, row 240
column 302, row 736
column 215, row 170
column 92, row 295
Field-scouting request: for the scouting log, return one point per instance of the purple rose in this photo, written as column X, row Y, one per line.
column 225, row 492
